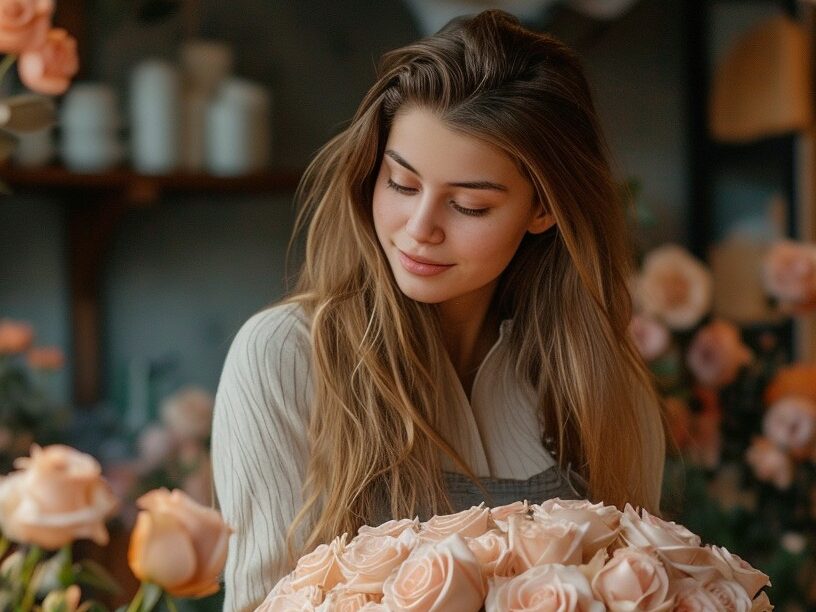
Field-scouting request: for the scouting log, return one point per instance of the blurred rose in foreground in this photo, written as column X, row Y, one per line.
column 178, row 544
column 674, row 287
column 789, row 273
column 24, row 24
column 716, row 354
column 45, row 358
column 770, row 464
column 651, row 337
column 48, row 69
column 57, row 496
column 188, row 413
column 15, row 336
column 790, row 423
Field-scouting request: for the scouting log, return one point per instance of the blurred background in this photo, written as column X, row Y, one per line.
column 143, row 228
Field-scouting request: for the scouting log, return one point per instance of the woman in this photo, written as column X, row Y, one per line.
column 458, row 331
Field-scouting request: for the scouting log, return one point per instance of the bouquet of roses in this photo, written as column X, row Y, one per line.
column 561, row 555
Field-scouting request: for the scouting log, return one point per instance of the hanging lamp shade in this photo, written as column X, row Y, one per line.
column 763, row 87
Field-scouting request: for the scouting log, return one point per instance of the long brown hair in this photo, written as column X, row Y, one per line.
column 378, row 397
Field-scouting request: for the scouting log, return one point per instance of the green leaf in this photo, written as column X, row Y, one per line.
column 152, row 595
column 92, row 574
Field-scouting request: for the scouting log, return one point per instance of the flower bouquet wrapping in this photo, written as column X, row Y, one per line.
column 559, row 555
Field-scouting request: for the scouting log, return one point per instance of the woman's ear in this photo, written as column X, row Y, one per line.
column 542, row 221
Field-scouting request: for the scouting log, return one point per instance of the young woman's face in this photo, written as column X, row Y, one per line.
column 450, row 199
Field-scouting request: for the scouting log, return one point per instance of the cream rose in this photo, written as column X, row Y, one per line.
column 690, row 596
column 761, row 603
column 633, row 580
column 492, row 550
column 178, row 544
column 650, row 336
column 536, row 542
column 546, row 588
column 698, row 562
column 57, row 496
column 370, row 559
column 391, row 528
column 751, row 579
column 789, row 272
column 468, row 523
column 674, row 287
column 716, row 354
column 188, row 413
column 345, row 600
column 500, row 514
column 24, row 24
column 49, row 68
column 603, row 521
column 729, row 595
column 304, row 600
column 642, row 530
column 320, row 567
column 770, row 464
column 790, row 423
column 436, row 576
column 15, row 336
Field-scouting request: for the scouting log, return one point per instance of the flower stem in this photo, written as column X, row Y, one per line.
column 8, row 62
column 30, row 589
column 171, row 605
column 136, row 604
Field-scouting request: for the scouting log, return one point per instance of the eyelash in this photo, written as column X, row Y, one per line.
column 472, row 212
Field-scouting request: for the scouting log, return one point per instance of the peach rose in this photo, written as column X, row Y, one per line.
column 391, row 528
column 729, row 595
column 320, row 567
column 57, row 496
column 790, row 423
column 675, row 287
column 188, row 413
column 789, row 273
column 374, row 607
column 441, row 575
column 603, row 521
column 633, row 580
column 770, row 464
column 15, row 336
column 492, row 550
column 761, row 603
column 536, row 542
column 468, row 523
column 698, row 562
column 370, row 559
column 62, row 601
column 716, row 354
column 650, row 336
column 500, row 514
column 642, row 530
column 24, row 24
column 751, row 579
column 546, row 588
column 45, row 358
column 303, row 600
column 178, row 544
column 690, row 596
column 345, row 600
column 49, row 68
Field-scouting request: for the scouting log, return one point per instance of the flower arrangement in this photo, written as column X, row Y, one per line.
column 58, row 496
column 565, row 555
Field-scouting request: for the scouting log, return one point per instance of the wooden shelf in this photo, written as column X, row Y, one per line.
column 94, row 204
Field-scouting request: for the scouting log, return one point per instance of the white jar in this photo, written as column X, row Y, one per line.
column 238, row 124
column 155, row 111
column 90, row 124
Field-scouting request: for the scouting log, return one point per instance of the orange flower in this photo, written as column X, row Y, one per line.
column 48, row 69
column 798, row 379
column 24, row 24
column 15, row 336
column 178, row 544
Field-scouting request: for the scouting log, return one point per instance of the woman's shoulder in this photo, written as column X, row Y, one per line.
column 283, row 324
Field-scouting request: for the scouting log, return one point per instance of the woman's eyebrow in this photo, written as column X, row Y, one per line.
column 465, row 185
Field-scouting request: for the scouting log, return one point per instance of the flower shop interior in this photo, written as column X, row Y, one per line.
column 149, row 202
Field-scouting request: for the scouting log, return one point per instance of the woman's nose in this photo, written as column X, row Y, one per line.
column 423, row 225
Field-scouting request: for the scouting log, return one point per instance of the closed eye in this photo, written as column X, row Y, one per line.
column 473, row 212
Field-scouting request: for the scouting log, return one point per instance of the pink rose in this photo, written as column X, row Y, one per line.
column 650, row 336
column 321, row 567
column 536, row 542
column 675, row 287
column 716, row 354
column 690, row 596
column 24, row 24
column 15, row 336
column 345, row 600
column 646, row 530
column 45, row 358
column 390, row 528
column 789, row 273
column 633, row 580
column 698, row 562
column 790, row 423
column 440, row 575
column 370, row 559
column 500, row 514
column 188, row 414
column 751, row 579
column 57, row 496
column 49, row 68
column 729, row 595
column 492, row 550
column 603, row 521
column 545, row 588
column 305, row 600
column 770, row 464
column 468, row 523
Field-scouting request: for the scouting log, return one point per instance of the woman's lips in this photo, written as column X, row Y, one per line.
column 419, row 268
